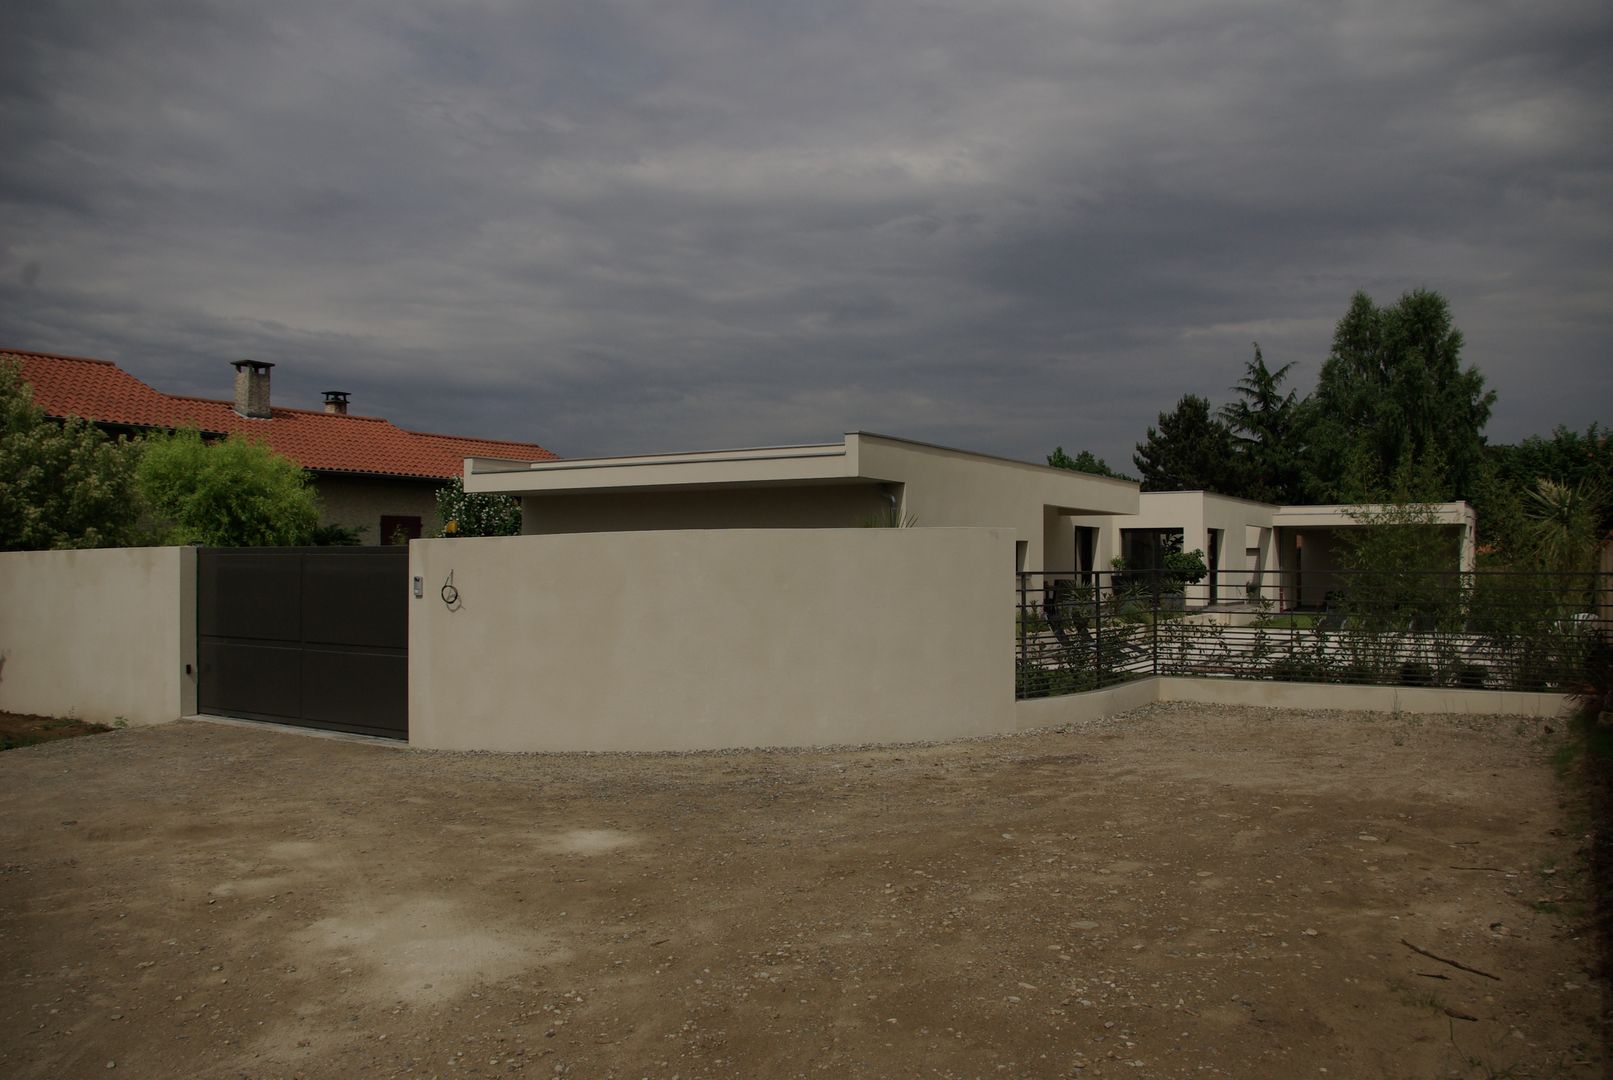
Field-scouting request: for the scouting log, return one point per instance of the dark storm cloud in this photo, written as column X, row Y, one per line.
column 611, row 227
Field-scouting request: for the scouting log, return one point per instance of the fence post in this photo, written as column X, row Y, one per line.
column 1097, row 631
column 1024, row 645
column 1154, row 620
column 1604, row 590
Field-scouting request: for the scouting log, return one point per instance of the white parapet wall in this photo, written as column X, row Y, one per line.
column 684, row 640
column 103, row 635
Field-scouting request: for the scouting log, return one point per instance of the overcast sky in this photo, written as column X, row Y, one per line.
column 613, row 227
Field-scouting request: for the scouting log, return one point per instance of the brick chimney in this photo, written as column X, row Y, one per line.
column 336, row 402
column 252, row 388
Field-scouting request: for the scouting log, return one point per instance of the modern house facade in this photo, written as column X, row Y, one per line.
column 1289, row 555
column 372, row 475
column 1065, row 523
column 711, row 600
column 866, row 479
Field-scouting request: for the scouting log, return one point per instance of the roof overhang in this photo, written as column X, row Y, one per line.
column 1342, row 516
column 768, row 465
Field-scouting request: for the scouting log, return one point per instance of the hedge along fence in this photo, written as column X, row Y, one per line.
column 1528, row 632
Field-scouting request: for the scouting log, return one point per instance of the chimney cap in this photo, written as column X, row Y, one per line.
column 259, row 367
column 336, row 395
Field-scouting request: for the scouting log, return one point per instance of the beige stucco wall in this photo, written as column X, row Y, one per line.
column 944, row 487
column 814, row 506
column 709, row 639
column 354, row 501
column 99, row 635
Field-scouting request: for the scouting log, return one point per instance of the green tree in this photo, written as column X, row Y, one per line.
column 1191, row 450
column 1396, row 538
column 465, row 513
column 233, row 493
column 1266, row 430
column 1565, row 457
column 1396, row 556
column 62, row 485
column 1086, row 461
column 1562, row 525
column 1393, row 392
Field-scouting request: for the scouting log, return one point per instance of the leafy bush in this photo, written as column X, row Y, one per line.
column 464, row 513
column 1416, row 673
column 66, row 485
column 231, row 493
column 338, row 536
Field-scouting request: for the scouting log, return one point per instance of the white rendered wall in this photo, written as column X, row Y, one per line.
column 709, row 639
column 101, row 635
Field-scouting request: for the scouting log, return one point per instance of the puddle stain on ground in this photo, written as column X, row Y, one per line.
column 588, row 841
column 424, row 949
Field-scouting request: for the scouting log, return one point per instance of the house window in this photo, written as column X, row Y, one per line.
column 1145, row 549
column 399, row 528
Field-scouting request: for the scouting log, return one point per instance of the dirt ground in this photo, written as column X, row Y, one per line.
column 1182, row 891
column 25, row 729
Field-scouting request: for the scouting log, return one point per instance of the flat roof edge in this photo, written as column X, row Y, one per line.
column 991, row 457
column 696, row 457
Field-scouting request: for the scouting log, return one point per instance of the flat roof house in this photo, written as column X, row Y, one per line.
column 864, row 479
column 370, row 473
column 1066, row 522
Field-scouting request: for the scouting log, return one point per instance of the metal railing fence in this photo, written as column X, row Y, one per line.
column 1492, row 630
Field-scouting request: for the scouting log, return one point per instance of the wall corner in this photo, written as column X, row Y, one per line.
column 186, row 661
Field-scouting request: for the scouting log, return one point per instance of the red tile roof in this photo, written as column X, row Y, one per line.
column 325, row 442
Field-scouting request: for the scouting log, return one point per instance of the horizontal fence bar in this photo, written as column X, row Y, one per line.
column 1491, row 630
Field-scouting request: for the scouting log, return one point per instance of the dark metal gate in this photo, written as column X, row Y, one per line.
column 312, row 636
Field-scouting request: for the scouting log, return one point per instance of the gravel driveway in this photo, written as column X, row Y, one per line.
column 1182, row 891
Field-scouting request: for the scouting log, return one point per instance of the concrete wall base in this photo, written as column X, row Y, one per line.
column 1096, row 704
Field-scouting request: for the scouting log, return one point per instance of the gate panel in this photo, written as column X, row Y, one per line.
column 255, row 680
column 248, row 593
column 360, row 601
column 356, row 691
column 310, row 636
